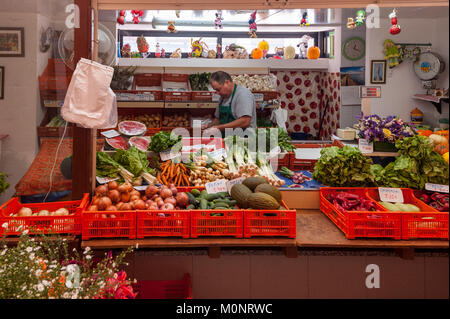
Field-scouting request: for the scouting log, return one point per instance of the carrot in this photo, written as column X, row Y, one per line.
column 186, row 179
column 163, row 180
column 164, row 169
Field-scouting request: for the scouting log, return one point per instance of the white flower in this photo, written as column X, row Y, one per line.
column 3, row 252
column 86, row 250
column 45, row 282
column 88, row 257
column 32, row 256
column 26, row 231
column 137, row 245
column 66, row 295
column 5, row 225
column 29, row 249
column 38, row 273
column 40, row 287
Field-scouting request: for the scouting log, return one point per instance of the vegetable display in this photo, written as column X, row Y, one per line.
column 199, row 81
column 297, row 178
column 204, row 169
column 436, row 200
column 162, row 141
column 263, row 196
column 256, row 82
column 400, row 207
column 27, row 212
column 345, row 166
column 106, row 166
column 136, row 162
column 173, row 173
column 202, row 200
column 345, row 201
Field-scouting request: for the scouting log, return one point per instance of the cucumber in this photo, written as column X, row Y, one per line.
column 195, row 192
column 191, row 198
column 203, row 204
column 402, row 207
column 389, row 206
column 224, row 194
column 203, row 194
column 212, row 197
column 412, row 208
column 191, row 207
column 224, row 201
column 221, row 206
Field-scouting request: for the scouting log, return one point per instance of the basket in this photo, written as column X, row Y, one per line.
column 308, row 164
column 164, row 289
column 47, row 224
column 181, row 80
column 202, row 96
column 54, row 131
column 108, row 224
column 215, row 222
column 270, row 223
column 167, row 223
column 428, row 223
column 141, row 82
column 371, row 224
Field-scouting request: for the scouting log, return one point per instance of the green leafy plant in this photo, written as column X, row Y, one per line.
column 3, row 183
column 162, row 141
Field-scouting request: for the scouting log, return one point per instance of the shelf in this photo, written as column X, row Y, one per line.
column 51, row 103
column 435, row 100
column 138, row 104
column 319, row 64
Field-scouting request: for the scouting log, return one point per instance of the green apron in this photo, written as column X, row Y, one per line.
column 225, row 114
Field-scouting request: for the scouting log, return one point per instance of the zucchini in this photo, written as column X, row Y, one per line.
column 211, row 197
column 203, row 194
column 225, row 201
column 191, row 198
column 221, row 206
column 203, row 203
column 195, row 192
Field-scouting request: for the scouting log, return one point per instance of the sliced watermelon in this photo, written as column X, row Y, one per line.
column 140, row 142
column 132, row 128
column 118, row 142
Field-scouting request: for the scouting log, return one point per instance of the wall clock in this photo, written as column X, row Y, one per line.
column 428, row 66
column 354, row 48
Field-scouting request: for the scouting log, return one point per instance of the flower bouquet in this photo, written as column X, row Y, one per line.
column 383, row 132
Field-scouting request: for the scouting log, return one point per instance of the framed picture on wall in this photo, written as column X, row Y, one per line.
column 378, row 72
column 2, row 82
column 12, row 42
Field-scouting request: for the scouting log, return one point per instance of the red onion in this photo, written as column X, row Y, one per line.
column 170, row 200
column 165, row 193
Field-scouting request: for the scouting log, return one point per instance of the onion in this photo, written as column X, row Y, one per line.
column 167, row 206
column 144, row 198
column 156, row 198
column 151, row 190
column 94, row 200
column 62, row 211
column 25, row 212
column 135, row 192
column 134, row 198
column 112, row 185
column 174, row 190
column 128, row 186
column 92, row 208
column 171, row 185
column 182, row 199
column 160, row 203
column 165, row 193
column 153, row 207
column 114, row 195
column 170, row 200
column 101, row 190
column 126, row 206
column 139, row 204
column 125, row 197
column 118, row 205
column 111, row 208
column 44, row 213
column 122, row 188
column 103, row 203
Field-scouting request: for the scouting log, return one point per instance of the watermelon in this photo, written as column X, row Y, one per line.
column 118, row 142
column 140, row 142
column 132, row 128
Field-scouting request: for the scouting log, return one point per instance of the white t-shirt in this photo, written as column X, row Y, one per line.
column 243, row 105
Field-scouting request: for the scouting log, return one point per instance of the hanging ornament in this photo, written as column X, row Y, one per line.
column 121, row 17
column 391, row 53
column 137, row 15
column 351, row 24
column 218, row 21
column 360, row 17
column 395, row 29
column 304, row 20
column 177, row 13
column 171, row 27
column 252, row 25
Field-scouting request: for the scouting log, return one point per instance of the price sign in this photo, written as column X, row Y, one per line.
column 364, row 146
column 168, row 155
column 436, row 188
column 393, row 195
column 259, row 97
column 110, row 133
column 218, row 154
column 104, row 180
column 216, row 186
column 234, row 182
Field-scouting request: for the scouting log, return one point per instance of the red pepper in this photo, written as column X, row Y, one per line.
column 424, row 198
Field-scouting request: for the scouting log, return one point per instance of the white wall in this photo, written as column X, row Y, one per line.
column 402, row 83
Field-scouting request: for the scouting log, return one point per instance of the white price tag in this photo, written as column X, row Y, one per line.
column 215, row 97
column 364, row 146
column 140, row 188
column 216, row 186
column 110, row 133
column 436, row 188
column 234, row 182
column 218, row 154
column 392, row 195
column 259, row 97
column 104, row 180
column 168, row 155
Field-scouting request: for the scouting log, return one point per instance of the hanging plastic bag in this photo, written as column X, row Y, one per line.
column 89, row 101
column 279, row 116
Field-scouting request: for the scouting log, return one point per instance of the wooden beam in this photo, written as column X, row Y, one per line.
column 83, row 139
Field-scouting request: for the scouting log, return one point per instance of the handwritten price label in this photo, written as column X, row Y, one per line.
column 234, row 182
column 104, row 180
column 392, row 195
column 219, row 154
column 110, row 133
column 436, row 188
column 216, row 186
column 364, row 146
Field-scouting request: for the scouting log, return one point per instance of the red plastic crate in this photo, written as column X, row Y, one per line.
column 213, row 141
column 147, row 80
column 306, row 164
column 228, row 223
column 48, row 224
column 428, row 223
column 176, row 96
column 270, row 223
column 164, row 289
column 108, row 224
column 202, row 96
column 373, row 224
column 163, row 223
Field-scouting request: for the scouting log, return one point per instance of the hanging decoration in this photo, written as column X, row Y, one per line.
column 137, row 15
column 360, row 17
column 395, row 29
column 121, row 17
column 391, row 53
column 252, row 25
column 412, row 54
column 303, row 46
column 304, row 20
column 171, row 27
column 264, row 46
column 177, row 13
column 218, row 21
column 351, row 23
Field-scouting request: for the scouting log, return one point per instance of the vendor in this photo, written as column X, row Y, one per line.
column 236, row 107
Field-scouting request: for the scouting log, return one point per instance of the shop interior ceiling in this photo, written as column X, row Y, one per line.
column 254, row 4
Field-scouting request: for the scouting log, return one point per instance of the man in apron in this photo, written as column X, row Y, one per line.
column 236, row 107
